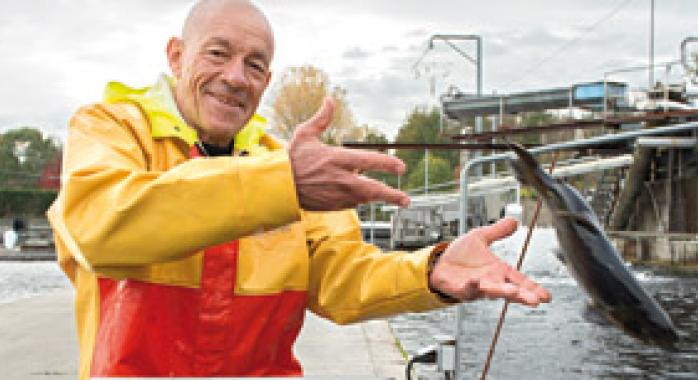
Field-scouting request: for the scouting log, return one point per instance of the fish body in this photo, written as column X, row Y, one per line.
column 593, row 261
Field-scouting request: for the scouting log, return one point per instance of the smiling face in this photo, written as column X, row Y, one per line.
column 222, row 67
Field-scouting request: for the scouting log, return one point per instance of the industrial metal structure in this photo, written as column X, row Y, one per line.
column 679, row 129
column 591, row 96
column 640, row 175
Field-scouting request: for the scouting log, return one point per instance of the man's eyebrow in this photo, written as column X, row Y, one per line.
column 218, row 41
column 258, row 54
column 261, row 55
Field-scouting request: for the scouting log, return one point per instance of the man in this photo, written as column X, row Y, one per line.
column 195, row 241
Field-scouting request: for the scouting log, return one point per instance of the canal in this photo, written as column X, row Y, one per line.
column 26, row 279
column 564, row 339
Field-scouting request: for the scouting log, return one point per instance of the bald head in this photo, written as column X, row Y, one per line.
column 204, row 11
column 222, row 64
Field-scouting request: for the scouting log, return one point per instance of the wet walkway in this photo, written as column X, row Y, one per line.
column 37, row 341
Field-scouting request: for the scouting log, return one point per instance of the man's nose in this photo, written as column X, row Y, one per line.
column 234, row 73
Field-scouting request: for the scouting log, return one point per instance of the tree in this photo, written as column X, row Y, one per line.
column 300, row 94
column 24, row 153
column 534, row 119
column 440, row 171
column 376, row 137
column 422, row 126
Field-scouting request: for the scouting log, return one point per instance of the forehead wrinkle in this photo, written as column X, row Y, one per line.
column 204, row 10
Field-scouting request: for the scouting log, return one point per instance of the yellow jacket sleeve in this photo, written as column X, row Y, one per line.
column 351, row 280
column 119, row 212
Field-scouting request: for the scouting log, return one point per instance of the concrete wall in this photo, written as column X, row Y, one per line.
column 653, row 212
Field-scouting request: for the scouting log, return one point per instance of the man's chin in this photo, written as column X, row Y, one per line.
column 224, row 129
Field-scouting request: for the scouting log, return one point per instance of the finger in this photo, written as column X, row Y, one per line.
column 526, row 283
column 499, row 230
column 520, row 279
column 498, row 289
column 363, row 160
column 370, row 190
column 318, row 122
column 542, row 294
column 526, row 297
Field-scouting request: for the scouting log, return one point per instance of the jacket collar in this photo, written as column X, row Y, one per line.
column 157, row 101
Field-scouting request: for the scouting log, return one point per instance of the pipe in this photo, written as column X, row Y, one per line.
column 634, row 179
column 598, row 140
column 667, row 142
column 684, row 55
column 651, row 65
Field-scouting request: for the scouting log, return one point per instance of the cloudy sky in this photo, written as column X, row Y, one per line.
column 57, row 54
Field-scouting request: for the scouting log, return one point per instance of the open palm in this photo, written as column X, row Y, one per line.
column 468, row 270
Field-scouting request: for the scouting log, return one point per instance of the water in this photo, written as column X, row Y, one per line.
column 561, row 340
column 564, row 339
column 25, row 279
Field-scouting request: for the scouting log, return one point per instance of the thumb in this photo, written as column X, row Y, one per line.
column 318, row 122
column 499, row 230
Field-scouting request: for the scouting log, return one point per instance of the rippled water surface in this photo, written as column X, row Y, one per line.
column 25, row 279
column 564, row 339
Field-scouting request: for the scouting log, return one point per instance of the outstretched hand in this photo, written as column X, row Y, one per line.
column 327, row 178
column 468, row 270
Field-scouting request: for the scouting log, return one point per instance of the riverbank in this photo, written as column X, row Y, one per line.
column 686, row 269
column 38, row 336
column 24, row 255
column 39, row 342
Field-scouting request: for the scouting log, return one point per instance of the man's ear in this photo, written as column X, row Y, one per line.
column 269, row 75
column 174, row 50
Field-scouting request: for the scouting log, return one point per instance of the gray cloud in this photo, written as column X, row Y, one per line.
column 417, row 33
column 58, row 55
column 356, row 53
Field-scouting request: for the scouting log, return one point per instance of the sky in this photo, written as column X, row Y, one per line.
column 56, row 55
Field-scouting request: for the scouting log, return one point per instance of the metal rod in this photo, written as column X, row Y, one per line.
column 461, row 52
column 506, row 130
column 684, row 53
column 641, row 67
column 651, row 65
column 435, row 146
column 519, row 263
column 667, row 142
column 593, row 141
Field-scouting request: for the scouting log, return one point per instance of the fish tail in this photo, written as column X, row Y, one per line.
column 527, row 169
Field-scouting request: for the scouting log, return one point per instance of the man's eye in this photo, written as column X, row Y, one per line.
column 216, row 53
column 258, row 66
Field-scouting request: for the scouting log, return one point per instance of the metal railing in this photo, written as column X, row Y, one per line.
column 465, row 178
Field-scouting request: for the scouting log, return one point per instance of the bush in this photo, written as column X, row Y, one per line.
column 27, row 202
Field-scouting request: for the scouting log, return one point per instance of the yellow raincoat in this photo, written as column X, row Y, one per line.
column 203, row 266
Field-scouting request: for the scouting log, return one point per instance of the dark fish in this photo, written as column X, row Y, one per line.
column 593, row 261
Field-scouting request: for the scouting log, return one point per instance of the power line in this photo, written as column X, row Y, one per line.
column 567, row 44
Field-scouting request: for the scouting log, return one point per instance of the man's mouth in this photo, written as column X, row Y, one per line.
column 227, row 100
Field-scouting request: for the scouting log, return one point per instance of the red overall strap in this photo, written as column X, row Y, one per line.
column 153, row 330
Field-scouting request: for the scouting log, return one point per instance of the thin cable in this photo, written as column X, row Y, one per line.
column 569, row 43
column 524, row 249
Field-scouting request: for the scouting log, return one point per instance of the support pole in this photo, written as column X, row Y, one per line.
column 651, row 78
